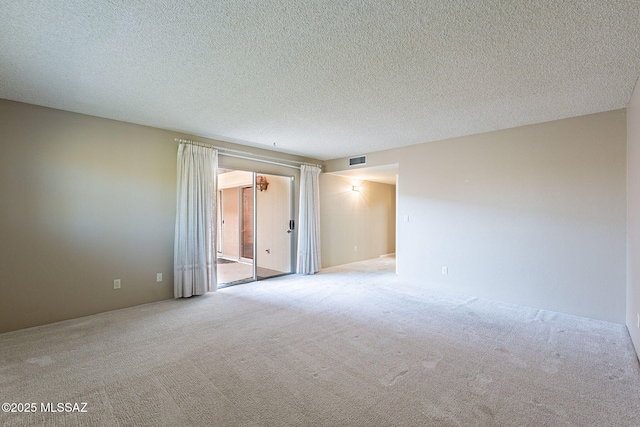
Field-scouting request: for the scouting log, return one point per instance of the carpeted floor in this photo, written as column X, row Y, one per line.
column 351, row 346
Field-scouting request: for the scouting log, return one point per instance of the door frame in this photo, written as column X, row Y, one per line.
column 241, row 224
column 292, row 234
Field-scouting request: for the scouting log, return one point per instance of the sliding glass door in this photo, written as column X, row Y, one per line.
column 274, row 226
column 255, row 224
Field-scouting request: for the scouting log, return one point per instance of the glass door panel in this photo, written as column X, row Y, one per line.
column 273, row 233
column 235, row 223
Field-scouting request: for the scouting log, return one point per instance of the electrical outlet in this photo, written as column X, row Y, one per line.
column 159, row 277
column 445, row 270
column 116, row 284
column 355, row 249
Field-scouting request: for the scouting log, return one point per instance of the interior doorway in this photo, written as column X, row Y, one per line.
column 255, row 224
column 371, row 217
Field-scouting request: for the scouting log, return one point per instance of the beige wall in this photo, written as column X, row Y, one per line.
column 533, row 215
column 230, row 236
column 365, row 219
column 230, row 184
column 84, row 201
column 633, row 217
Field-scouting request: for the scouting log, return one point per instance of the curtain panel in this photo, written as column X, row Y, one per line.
column 309, row 222
column 194, row 247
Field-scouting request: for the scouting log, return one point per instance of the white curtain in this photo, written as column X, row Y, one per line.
column 194, row 248
column 309, row 223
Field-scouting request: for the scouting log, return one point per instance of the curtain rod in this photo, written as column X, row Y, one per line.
column 243, row 155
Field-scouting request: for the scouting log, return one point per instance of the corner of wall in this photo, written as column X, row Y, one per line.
column 633, row 218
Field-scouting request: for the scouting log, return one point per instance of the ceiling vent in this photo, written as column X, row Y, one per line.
column 360, row 160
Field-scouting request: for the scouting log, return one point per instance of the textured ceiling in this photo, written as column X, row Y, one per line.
column 324, row 79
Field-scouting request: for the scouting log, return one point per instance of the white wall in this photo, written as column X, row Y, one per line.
column 633, row 217
column 533, row 215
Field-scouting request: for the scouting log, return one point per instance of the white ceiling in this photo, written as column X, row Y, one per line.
column 324, row 79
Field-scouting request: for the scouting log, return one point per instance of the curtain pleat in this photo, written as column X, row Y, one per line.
column 309, row 222
column 194, row 247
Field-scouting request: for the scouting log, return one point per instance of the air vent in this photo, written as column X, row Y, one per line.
column 361, row 160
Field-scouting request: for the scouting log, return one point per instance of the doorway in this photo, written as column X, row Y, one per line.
column 370, row 218
column 255, row 224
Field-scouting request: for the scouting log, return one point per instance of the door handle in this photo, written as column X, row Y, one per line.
column 292, row 226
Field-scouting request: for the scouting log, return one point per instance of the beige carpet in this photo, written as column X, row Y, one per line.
column 349, row 347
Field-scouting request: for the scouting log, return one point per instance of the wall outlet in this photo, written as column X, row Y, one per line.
column 445, row 270
column 116, row 284
column 159, row 277
column 355, row 249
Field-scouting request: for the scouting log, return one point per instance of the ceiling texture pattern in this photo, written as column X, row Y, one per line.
column 324, row 79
